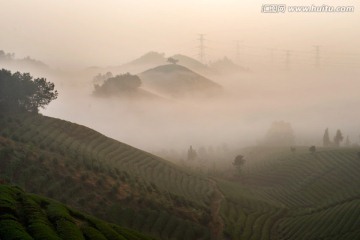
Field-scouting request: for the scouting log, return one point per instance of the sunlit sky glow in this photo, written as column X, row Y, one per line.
column 111, row 32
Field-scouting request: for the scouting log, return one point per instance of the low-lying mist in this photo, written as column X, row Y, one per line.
column 310, row 101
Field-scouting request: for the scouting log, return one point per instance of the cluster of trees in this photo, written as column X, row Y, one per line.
column 238, row 162
column 9, row 58
column 20, row 92
column 6, row 56
column 337, row 140
column 280, row 134
column 117, row 85
column 100, row 78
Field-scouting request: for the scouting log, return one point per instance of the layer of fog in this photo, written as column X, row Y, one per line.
column 310, row 100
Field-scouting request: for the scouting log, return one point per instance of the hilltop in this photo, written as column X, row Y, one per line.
column 178, row 81
column 193, row 64
column 28, row 216
column 123, row 86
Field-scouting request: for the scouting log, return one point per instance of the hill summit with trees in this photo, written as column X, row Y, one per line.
column 122, row 85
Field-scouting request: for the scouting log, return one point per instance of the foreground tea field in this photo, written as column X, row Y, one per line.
column 112, row 180
column 279, row 195
column 27, row 216
column 295, row 196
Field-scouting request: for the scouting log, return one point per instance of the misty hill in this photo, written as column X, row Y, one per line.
column 226, row 66
column 9, row 61
column 153, row 59
column 31, row 217
column 106, row 178
column 150, row 58
column 178, row 81
column 140, row 64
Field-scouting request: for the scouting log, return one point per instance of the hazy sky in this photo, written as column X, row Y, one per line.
column 110, row 32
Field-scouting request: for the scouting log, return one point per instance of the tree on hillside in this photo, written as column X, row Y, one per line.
column 172, row 60
column 338, row 138
column 21, row 92
column 192, row 155
column 326, row 138
column 239, row 162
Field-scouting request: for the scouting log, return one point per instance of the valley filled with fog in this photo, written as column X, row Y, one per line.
column 239, row 116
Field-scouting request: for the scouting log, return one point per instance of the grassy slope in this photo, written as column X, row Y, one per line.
column 101, row 176
column 295, row 196
column 28, row 216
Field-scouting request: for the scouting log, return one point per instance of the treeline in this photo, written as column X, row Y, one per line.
column 20, row 92
column 337, row 140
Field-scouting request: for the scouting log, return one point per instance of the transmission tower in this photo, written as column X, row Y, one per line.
column 201, row 48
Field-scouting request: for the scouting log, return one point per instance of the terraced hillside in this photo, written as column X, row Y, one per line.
column 30, row 217
column 279, row 195
column 104, row 177
column 295, row 196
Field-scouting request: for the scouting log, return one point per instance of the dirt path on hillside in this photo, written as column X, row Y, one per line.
column 216, row 224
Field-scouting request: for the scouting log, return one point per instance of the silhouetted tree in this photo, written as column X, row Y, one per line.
column 192, row 155
column 239, row 162
column 338, row 138
column 312, row 149
column 326, row 138
column 21, row 92
column 172, row 60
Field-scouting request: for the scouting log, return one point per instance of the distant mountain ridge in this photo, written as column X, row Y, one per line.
column 9, row 61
